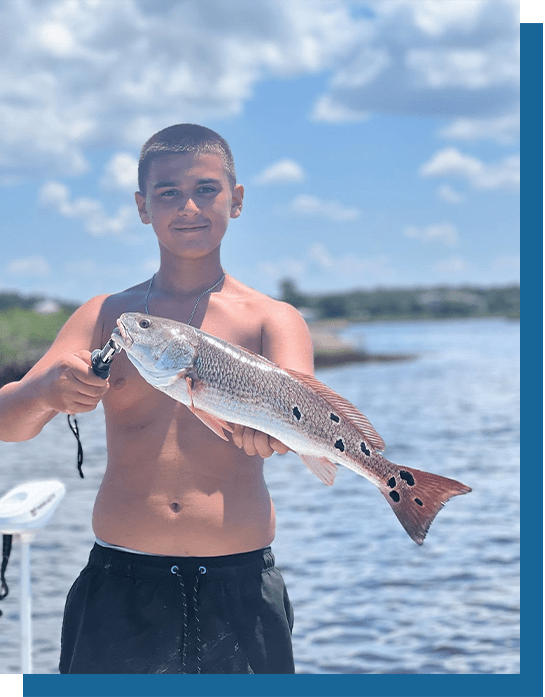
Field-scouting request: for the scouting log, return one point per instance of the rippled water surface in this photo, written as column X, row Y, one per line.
column 367, row 599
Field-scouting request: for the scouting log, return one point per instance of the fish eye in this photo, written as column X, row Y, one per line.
column 144, row 323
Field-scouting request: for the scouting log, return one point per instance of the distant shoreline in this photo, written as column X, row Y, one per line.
column 329, row 349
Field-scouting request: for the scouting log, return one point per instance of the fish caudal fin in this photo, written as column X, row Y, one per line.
column 416, row 497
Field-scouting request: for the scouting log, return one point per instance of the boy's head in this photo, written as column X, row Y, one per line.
column 184, row 138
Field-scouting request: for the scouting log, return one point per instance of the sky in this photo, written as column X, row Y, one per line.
column 377, row 140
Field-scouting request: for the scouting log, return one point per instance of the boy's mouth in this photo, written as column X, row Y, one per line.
column 190, row 228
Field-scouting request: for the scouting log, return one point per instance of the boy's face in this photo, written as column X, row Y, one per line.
column 189, row 202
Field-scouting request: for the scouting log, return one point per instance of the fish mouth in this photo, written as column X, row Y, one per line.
column 122, row 332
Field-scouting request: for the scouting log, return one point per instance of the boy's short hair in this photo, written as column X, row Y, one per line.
column 182, row 138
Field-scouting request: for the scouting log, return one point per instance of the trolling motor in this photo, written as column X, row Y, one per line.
column 100, row 363
column 23, row 510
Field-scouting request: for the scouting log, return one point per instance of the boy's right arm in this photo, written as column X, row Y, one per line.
column 62, row 381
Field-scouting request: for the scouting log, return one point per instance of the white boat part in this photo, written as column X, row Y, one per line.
column 23, row 511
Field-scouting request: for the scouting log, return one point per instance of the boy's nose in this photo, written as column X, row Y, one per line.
column 188, row 206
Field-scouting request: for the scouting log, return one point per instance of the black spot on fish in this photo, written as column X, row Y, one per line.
column 407, row 476
column 334, row 418
column 419, row 502
column 395, row 496
column 340, row 445
column 391, row 482
column 365, row 449
column 296, row 413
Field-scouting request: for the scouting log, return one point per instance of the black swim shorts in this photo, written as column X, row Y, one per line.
column 133, row 613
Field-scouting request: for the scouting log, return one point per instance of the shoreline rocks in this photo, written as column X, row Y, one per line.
column 330, row 350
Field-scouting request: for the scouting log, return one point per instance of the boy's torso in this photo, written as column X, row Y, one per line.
column 171, row 485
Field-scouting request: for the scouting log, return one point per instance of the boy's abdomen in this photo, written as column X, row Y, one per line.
column 182, row 491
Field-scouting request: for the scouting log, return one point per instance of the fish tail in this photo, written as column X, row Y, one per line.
column 416, row 497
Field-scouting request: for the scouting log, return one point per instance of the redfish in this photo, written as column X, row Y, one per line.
column 224, row 384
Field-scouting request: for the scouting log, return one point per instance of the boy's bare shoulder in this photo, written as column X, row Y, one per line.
column 128, row 300
column 285, row 336
column 263, row 306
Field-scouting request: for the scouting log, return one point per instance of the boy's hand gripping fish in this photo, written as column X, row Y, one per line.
column 224, row 383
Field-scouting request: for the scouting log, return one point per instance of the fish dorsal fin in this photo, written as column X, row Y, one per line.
column 321, row 467
column 344, row 408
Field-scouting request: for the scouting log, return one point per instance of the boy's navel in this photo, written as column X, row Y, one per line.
column 175, row 507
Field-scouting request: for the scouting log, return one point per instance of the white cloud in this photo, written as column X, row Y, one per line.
column 121, row 172
column 78, row 74
column 313, row 206
column 96, row 222
column 282, row 172
column 90, row 268
column 467, row 68
column 317, row 259
column 447, row 193
column 150, row 265
column 452, row 266
column 350, row 264
column 329, row 111
column 441, row 232
column 503, row 129
column 284, row 268
column 36, row 266
column 451, row 162
column 56, row 38
column 508, row 263
column 454, row 59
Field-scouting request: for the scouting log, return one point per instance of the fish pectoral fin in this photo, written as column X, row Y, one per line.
column 321, row 467
column 213, row 423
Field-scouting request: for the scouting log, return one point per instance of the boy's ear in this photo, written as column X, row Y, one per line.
column 236, row 203
column 141, row 205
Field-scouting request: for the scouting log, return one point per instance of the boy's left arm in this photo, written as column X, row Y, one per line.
column 286, row 341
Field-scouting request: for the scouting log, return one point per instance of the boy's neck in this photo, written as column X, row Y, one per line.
column 187, row 277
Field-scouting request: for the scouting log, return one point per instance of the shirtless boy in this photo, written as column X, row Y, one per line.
column 181, row 579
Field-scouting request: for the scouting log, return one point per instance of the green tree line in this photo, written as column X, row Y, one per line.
column 406, row 303
column 28, row 326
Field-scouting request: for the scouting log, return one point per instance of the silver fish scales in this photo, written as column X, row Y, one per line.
column 222, row 384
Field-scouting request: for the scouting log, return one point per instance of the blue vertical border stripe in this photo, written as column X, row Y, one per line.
column 529, row 682
column 531, row 452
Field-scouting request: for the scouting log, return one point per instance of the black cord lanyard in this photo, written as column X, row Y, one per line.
column 75, row 430
column 6, row 550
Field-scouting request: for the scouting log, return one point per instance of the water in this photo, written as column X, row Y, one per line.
column 367, row 599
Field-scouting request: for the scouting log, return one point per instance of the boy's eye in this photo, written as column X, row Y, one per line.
column 205, row 190
column 170, row 192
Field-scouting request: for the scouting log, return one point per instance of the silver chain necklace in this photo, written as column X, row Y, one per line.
column 220, row 279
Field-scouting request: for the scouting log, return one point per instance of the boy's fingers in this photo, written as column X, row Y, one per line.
column 261, row 444
column 248, row 441
column 84, row 370
column 237, row 435
column 91, row 389
column 277, row 446
column 256, row 442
